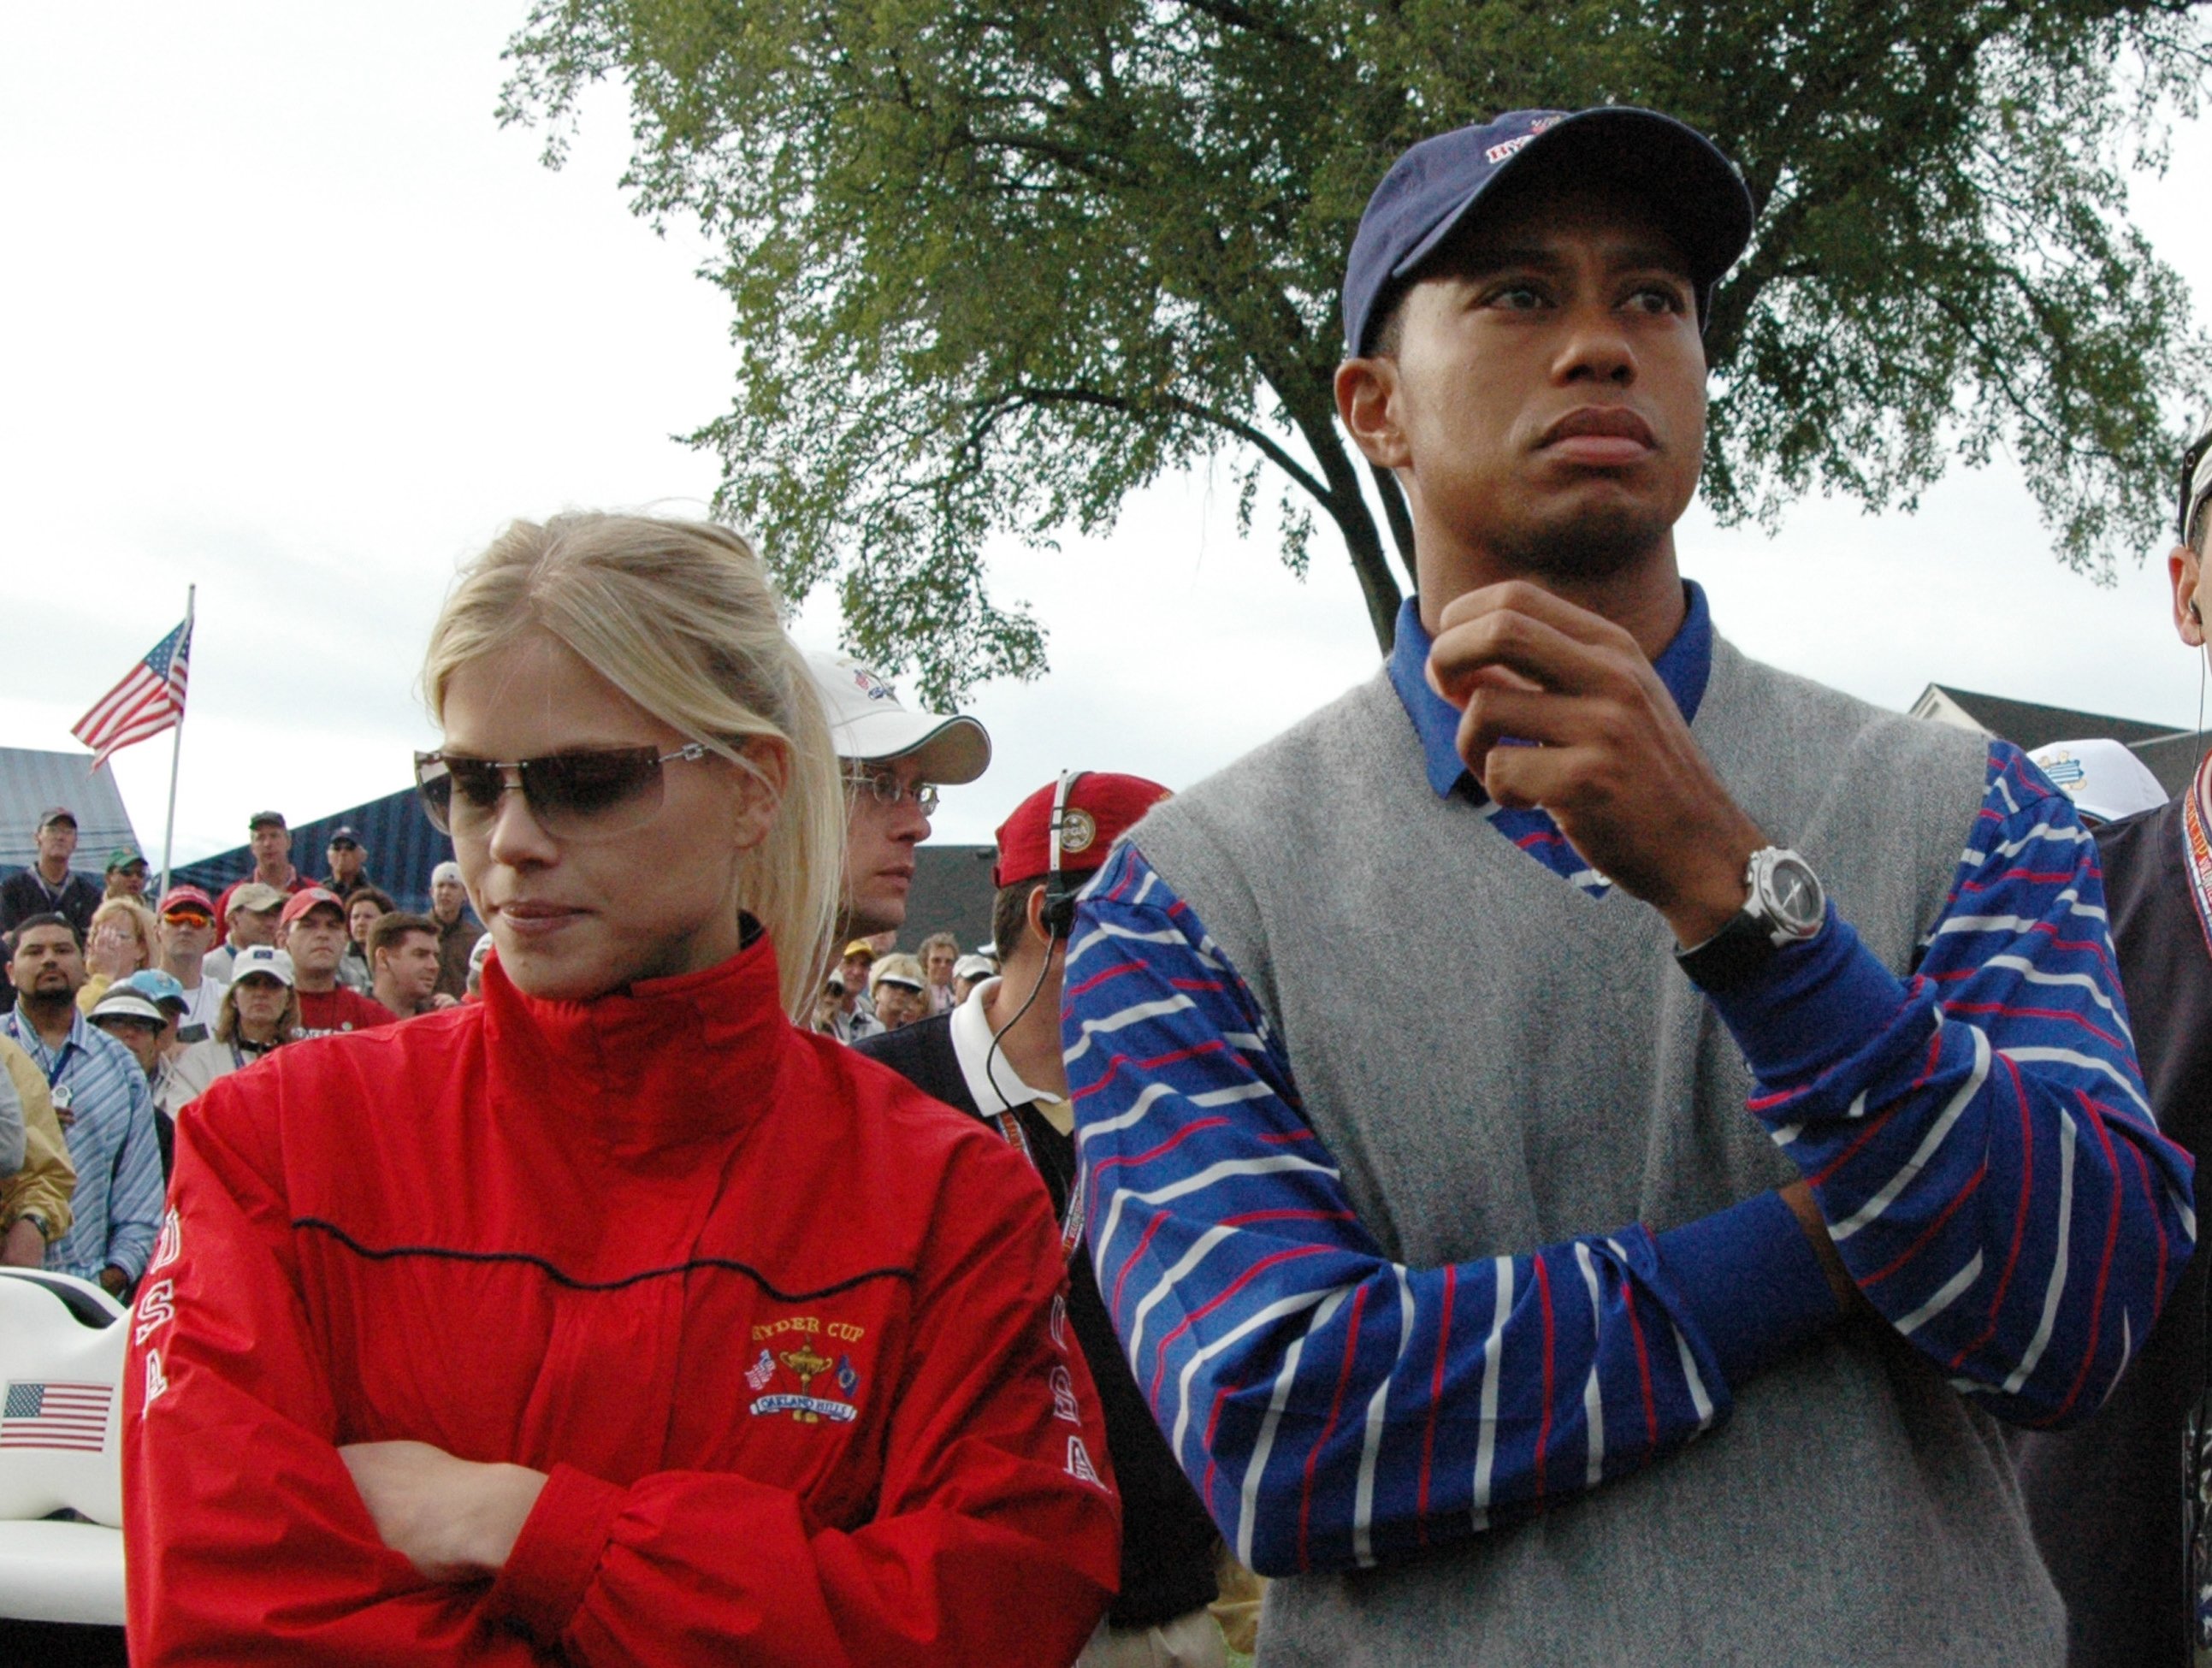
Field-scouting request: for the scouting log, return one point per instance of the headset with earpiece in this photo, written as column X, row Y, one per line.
column 1058, row 915
column 1062, row 888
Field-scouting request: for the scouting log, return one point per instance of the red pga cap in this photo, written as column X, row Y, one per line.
column 312, row 898
column 1102, row 806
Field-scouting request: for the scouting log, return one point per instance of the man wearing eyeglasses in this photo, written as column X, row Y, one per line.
column 894, row 762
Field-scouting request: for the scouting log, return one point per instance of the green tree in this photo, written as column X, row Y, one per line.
column 994, row 263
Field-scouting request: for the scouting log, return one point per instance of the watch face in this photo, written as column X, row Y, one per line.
column 1794, row 892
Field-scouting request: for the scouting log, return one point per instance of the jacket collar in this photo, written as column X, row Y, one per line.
column 659, row 1065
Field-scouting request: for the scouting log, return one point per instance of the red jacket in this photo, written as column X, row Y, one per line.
column 787, row 1335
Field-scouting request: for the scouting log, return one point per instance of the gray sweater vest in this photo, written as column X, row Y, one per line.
column 1499, row 1060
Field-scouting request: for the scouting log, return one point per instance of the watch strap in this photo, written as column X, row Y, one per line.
column 1731, row 956
column 1755, row 933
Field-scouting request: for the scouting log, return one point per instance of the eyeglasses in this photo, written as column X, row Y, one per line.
column 590, row 794
column 888, row 789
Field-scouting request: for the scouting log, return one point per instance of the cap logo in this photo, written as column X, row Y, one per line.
column 1497, row 153
column 2064, row 770
column 873, row 686
column 1078, row 828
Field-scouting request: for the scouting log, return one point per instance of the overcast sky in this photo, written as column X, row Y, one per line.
column 291, row 318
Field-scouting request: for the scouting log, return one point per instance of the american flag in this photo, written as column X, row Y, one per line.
column 56, row 1415
column 150, row 698
column 762, row 1371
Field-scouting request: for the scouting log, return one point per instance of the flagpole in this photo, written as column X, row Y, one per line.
column 176, row 752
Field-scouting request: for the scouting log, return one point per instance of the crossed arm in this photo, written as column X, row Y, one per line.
column 1974, row 1138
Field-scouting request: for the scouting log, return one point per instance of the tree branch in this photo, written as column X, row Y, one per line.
column 1134, row 405
column 1243, row 17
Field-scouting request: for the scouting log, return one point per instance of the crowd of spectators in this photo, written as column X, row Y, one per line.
column 1624, row 1303
column 125, row 1009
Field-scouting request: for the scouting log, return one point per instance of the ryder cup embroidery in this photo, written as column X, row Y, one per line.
column 827, row 1387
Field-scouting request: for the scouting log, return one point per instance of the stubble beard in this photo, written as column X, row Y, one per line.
column 1594, row 546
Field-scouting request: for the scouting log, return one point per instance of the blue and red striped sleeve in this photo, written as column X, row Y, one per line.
column 1332, row 1406
column 1976, row 1135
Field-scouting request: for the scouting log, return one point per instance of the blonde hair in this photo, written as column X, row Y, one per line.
column 142, row 923
column 680, row 618
column 901, row 966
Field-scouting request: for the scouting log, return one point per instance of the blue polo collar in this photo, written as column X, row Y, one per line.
column 1683, row 665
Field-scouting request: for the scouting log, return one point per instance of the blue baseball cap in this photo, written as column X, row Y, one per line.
column 1694, row 189
column 157, row 986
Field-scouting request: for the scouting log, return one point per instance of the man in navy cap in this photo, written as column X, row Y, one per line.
column 1737, row 1113
column 349, row 862
column 49, row 884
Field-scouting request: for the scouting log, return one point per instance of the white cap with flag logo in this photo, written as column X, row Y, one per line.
column 868, row 724
column 2104, row 779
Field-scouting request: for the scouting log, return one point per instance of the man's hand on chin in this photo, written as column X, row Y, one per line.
column 1613, row 762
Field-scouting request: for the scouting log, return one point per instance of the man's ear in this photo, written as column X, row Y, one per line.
column 1033, row 912
column 2185, row 572
column 1367, row 405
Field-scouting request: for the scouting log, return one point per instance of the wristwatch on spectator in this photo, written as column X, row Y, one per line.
column 1784, row 904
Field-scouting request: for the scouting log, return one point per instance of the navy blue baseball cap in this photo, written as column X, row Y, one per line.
column 1694, row 190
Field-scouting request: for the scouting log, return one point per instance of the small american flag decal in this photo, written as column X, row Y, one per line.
column 762, row 1371
column 56, row 1415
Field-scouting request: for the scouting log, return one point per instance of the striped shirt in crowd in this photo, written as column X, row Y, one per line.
column 107, row 1109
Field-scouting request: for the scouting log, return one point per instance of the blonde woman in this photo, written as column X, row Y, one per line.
column 896, row 987
column 614, row 1318
column 123, row 939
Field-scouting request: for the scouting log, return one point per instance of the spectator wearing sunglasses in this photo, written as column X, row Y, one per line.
column 183, row 935
column 615, row 1316
column 348, row 860
column 894, row 762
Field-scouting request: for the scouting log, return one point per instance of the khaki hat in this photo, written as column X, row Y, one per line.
column 255, row 896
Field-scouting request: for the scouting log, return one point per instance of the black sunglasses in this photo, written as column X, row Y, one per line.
column 592, row 793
